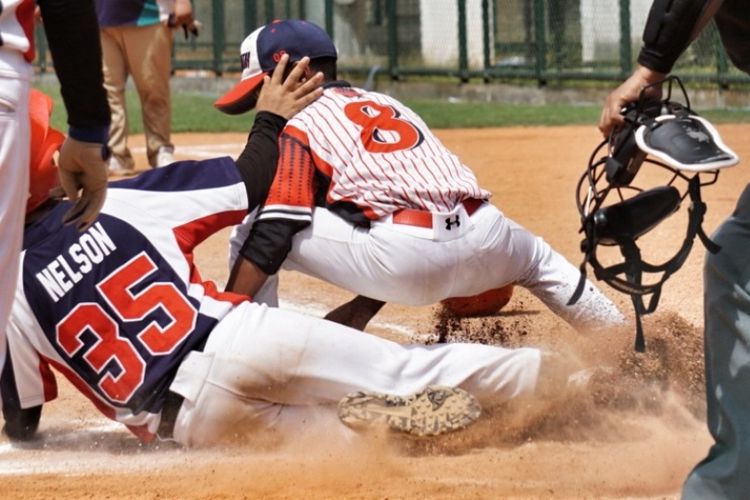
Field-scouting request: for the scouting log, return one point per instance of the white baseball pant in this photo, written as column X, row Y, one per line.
column 266, row 370
column 420, row 266
column 14, row 174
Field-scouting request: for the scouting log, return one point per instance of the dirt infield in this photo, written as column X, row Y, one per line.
column 635, row 431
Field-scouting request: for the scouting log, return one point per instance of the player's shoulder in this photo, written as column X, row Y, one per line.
column 336, row 96
column 344, row 92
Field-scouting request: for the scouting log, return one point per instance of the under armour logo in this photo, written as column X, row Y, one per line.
column 449, row 223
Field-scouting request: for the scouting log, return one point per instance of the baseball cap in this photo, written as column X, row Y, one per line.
column 262, row 50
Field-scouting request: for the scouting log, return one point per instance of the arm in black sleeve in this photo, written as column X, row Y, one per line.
column 73, row 37
column 271, row 236
column 670, row 27
column 733, row 22
column 257, row 162
column 270, row 241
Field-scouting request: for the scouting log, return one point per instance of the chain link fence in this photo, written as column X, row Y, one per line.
column 541, row 40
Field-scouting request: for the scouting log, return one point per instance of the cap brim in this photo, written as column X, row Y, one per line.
column 239, row 99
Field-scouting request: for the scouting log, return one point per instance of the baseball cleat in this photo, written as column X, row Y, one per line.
column 435, row 410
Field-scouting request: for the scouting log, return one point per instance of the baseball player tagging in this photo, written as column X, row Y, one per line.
column 121, row 310
column 367, row 198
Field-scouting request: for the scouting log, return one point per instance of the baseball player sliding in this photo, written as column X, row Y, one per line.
column 121, row 310
column 367, row 198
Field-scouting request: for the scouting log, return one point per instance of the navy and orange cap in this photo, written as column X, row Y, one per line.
column 262, row 50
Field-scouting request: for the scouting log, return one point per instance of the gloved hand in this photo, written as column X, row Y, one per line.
column 83, row 167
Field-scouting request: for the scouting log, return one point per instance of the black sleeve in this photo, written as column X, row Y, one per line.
column 733, row 22
column 270, row 241
column 257, row 163
column 73, row 36
column 668, row 32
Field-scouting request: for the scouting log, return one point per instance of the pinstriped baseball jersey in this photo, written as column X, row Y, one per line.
column 367, row 150
column 117, row 307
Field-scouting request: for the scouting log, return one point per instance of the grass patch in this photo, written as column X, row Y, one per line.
column 195, row 113
column 443, row 114
column 190, row 113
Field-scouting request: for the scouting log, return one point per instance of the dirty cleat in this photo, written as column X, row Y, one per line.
column 435, row 410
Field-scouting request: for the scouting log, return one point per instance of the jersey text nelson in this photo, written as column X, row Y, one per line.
column 68, row 268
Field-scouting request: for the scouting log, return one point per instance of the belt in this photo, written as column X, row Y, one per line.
column 422, row 218
column 172, row 405
column 169, row 415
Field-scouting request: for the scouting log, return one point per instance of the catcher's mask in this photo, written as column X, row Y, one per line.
column 614, row 212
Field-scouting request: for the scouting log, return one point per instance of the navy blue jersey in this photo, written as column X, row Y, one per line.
column 117, row 307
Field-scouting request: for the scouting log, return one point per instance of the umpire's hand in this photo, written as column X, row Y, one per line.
column 629, row 91
column 83, row 168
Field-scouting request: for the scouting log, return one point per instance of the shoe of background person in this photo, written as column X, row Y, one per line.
column 435, row 410
column 116, row 168
column 164, row 157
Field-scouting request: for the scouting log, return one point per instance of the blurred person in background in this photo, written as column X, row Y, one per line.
column 136, row 38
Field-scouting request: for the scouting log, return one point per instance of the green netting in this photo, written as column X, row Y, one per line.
column 536, row 39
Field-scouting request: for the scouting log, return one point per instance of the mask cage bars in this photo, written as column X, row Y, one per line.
column 590, row 201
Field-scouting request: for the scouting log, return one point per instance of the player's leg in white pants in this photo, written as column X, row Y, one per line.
column 553, row 279
column 261, row 365
column 14, row 185
column 394, row 263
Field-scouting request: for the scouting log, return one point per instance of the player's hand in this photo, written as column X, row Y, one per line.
column 288, row 97
column 628, row 92
column 83, row 168
column 182, row 17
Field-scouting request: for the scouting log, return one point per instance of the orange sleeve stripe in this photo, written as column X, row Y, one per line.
column 302, row 137
column 296, row 133
column 293, row 183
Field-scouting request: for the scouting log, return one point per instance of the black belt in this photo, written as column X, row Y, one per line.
column 172, row 405
column 169, row 415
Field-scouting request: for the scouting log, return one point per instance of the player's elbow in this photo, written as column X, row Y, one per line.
column 21, row 425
